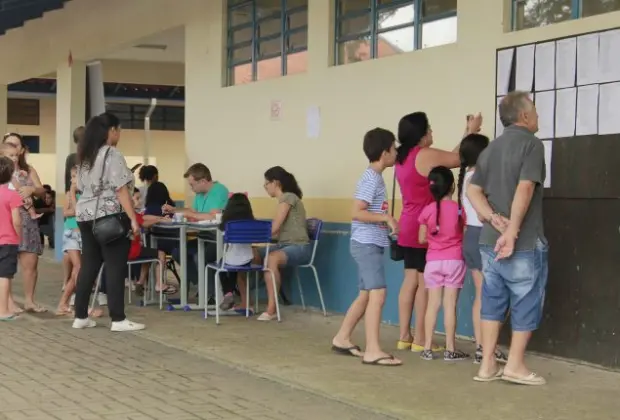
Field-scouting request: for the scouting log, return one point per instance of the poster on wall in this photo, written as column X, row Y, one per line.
column 276, row 110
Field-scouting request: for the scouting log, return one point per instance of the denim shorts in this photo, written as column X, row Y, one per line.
column 370, row 266
column 517, row 283
column 296, row 254
column 71, row 240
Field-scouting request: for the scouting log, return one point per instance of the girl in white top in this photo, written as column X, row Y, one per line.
column 471, row 147
column 237, row 208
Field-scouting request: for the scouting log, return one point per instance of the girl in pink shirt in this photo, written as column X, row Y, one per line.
column 441, row 226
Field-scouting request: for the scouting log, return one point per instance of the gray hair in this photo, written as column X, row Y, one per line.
column 511, row 107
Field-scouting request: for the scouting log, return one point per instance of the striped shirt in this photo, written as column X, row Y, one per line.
column 371, row 189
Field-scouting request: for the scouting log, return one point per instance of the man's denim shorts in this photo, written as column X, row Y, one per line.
column 296, row 254
column 369, row 259
column 517, row 283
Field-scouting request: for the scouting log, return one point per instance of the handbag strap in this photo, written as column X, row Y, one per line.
column 105, row 158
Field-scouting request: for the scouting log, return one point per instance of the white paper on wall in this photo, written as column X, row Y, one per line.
column 587, row 110
column 565, row 112
column 313, row 122
column 544, row 70
column 587, row 59
column 565, row 63
column 545, row 105
column 504, row 67
column 525, row 68
column 609, row 56
column 548, row 145
column 609, row 109
column 499, row 128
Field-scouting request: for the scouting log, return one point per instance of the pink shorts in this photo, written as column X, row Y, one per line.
column 444, row 273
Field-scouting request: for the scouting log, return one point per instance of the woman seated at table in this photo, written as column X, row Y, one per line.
column 289, row 228
column 156, row 193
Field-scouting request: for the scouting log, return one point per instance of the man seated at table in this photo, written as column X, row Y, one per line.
column 211, row 198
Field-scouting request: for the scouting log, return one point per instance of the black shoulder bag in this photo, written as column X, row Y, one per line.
column 396, row 252
column 112, row 227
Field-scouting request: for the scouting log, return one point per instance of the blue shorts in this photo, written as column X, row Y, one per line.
column 370, row 265
column 517, row 283
column 71, row 240
column 296, row 254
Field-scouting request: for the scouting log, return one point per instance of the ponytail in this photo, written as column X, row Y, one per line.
column 441, row 182
column 438, row 202
column 460, row 184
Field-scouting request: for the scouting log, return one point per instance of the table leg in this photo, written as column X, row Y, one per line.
column 183, row 273
column 201, row 273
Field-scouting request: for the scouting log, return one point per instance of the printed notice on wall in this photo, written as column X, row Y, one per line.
column 276, row 110
column 313, row 122
column 548, row 152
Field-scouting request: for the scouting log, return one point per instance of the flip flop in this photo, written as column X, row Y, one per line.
column 495, row 377
column 63, row 312
column 347, row 351
column 532, row 379
column 169, row 289
column 377, row 362
column 265, row 317
column 37, row 309
column 8, row 318
column 241, row 311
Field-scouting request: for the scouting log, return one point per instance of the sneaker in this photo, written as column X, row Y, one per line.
column 500, row 356
column 80, row 324
column 126, row 325
column 228, row 302
column 454, row 356
column 427, row 355
column 102, row 299
column 72, row 300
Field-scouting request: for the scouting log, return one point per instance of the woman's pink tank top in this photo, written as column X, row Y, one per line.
column 416, row 194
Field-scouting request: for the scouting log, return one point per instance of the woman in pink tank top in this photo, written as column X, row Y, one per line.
column 414, row 161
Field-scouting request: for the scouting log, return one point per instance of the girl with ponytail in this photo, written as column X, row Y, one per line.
column 469, row 151
column 441, row 226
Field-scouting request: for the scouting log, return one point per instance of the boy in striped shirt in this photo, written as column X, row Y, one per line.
column 370, row 231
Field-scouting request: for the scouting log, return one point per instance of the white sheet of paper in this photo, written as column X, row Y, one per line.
column 504, row 67
column 565, row 63
column 499, row 128
column 313, row 122
column 587, row 59
column 609, row 109
column 548, row 144
column 565, row 112
column 545, row 105
column 609, row 51
column 525, row 68
column 544, row 70
column 587, row 110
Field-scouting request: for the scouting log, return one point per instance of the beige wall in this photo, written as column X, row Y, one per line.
column 167, row 149
column 447, row 82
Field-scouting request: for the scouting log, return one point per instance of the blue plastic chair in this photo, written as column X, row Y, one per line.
column 314, row 233
column 247, row 232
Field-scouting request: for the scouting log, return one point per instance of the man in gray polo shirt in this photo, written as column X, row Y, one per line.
column 508, row 185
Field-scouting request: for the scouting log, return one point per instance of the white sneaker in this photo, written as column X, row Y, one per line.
column 126, row 325
column 72, row 300
column 80, row 324
column 102, row 299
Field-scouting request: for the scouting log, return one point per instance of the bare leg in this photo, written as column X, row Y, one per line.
column 372, row 324
column 144, row 273
column 276, row 260
column 405, row 304
column 242, row 280
column 66, row 265
column 421, row 301
column 5, row 293
column 475, row 314
column 430, row 319
column 29, row 262
column 351, row 319
column 516, row 357
column 450, row 297
column 490, row 333
column 75, row 263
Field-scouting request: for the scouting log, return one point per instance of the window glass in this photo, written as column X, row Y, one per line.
column 354, row 25
column 596, row 7
column 354, row 51
column 439, row 32
column 348, row 6
column 535, row 13
column 437, row 7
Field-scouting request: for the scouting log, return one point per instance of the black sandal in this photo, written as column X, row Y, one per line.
column 378, row 361
column 347, row 351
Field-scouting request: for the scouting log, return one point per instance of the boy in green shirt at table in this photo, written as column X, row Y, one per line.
column 211, row 198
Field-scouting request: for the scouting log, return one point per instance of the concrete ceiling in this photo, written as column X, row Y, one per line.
column 167, row 46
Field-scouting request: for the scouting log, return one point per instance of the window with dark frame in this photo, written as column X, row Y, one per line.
column 367, row 29
column 266, row 39
column 23, row 111
column 165, row 117
column 536, row 13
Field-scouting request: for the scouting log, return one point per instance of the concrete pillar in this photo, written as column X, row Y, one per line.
column 70, row 113
column 3, row 109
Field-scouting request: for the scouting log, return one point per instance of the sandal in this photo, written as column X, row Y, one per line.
column 12, row 317
column 169, row 289
column 139, row 290
column 63, row 312
column 354, row 351
column 494, row 377
column 36, row 309
column 381, row 361
column 266, row 317
column 531, row 379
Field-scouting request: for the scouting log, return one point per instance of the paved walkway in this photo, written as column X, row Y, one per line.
column 185, row 367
